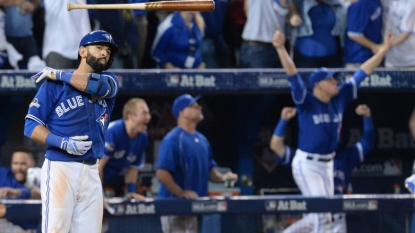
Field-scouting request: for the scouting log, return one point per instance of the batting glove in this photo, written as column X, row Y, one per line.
column 76, row 145
column 49, row 73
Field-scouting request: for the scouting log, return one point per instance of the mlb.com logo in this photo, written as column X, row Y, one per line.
column 173, row 80
column 186, row 80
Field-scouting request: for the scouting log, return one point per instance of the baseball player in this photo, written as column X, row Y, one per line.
column 185, row 163
column 344, row 162
column 12, row 186
column 70, row 114
column 320, row 113
column 125, row 143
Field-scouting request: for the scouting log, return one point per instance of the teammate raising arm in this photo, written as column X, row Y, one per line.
column 276, row 144
column 344, row 162
column 70, row 114
column 320, row 112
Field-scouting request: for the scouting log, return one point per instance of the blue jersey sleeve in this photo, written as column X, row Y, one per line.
column 348, row 90
column 348, row 159
column 287, row 158
column 42, row 104
column 368, row 139
column 358, row 77
column 298, row 89
column 168, row 158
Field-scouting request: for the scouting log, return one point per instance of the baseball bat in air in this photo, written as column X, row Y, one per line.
column 196, row 5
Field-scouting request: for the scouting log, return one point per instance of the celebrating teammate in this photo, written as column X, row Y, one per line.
column 344, row 162
column 125, row 143
column 185, row 163
column 320, row 113
column 13, row 186
column 70, row 114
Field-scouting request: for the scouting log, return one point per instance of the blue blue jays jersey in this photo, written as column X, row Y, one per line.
column 7, row 180
column 320, row 123
column 122, row 151
column 189, row 159
column 346, row 160
column 177, row 44
column 67, row 112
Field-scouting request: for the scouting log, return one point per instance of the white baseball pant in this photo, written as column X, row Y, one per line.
column 71, row 197
column 314, row 177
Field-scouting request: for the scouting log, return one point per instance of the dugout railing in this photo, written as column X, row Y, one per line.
column 238, row 213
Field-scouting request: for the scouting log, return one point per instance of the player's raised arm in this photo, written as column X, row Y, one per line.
column 368, row 138
column 278, row 41
column 297, row 85
column 369, row 66
column 277, row 140
column 102, row 85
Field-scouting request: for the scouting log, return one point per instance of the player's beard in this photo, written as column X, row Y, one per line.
column 95, row 63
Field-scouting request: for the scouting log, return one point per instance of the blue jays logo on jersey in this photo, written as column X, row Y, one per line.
column 103, row 119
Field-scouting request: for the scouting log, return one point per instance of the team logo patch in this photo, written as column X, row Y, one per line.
column 34, row 103
column 103, row 119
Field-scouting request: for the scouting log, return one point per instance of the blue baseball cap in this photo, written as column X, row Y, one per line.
column 183, row 102
column 320, row 74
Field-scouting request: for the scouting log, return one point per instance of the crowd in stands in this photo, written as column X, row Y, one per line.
column 237, row 34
